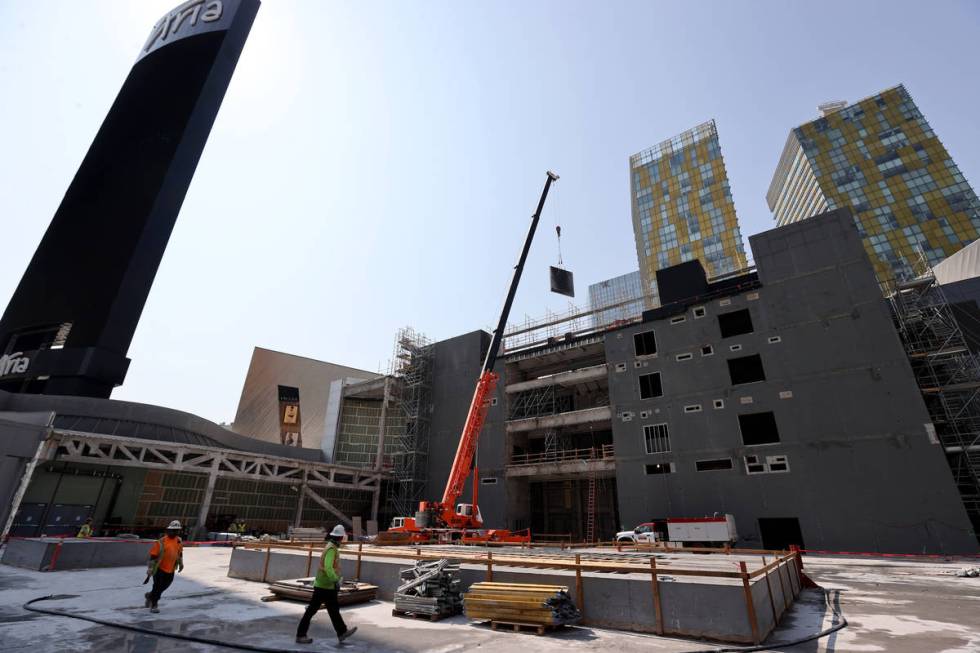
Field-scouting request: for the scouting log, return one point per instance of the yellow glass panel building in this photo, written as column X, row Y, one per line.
column 683, row 208
column 881, row 158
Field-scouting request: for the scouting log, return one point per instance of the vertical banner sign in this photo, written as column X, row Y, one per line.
column 290, row 423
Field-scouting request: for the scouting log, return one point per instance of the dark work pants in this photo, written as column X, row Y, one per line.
column 161, row 581
column 322, row 596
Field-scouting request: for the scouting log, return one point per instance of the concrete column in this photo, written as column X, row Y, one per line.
column 202, row 516
column 297, row 521
column 375, row 500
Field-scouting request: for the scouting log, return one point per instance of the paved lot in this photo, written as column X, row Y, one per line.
column 891, row 606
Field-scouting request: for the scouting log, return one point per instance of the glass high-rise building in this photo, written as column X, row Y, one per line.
column 683, row 208
column 614, row 292
column 881, row 158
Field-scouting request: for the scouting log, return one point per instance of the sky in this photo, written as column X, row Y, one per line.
column 374, row 164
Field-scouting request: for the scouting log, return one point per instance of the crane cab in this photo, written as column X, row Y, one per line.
column 469, row 514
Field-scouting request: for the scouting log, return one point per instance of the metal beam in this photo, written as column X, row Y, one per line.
column 329, row 507
column 223, row 463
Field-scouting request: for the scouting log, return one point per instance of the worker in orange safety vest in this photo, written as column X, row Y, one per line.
column 166, row 556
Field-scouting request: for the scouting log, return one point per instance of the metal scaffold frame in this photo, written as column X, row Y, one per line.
column 948, row 374
column 411, row 366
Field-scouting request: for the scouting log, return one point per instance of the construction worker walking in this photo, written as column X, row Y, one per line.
column 166, row 556
column 86, row 529
column 326, row 588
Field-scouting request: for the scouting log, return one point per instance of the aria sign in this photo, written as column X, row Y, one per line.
column 14, row 363
column 192, row 17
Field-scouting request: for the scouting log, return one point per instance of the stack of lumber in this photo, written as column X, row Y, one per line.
column 430, row 588
column 301, row 589
column 544, row 605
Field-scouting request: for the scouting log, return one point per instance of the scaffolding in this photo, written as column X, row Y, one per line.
column 411, row 367
column 948, row 375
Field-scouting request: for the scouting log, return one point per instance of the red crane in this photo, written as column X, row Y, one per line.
column 446, row 515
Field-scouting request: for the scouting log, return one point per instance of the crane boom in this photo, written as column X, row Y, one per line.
column 487, row 382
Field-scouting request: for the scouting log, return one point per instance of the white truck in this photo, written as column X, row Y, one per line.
column 691, row 531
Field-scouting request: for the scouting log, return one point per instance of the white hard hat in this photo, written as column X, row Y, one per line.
column 338, row 531
column 174, row 526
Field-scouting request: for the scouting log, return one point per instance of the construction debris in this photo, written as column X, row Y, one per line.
column 973, row 572
column 297, row 534
column 520, row 604
column 301, row 589
column 431, row 589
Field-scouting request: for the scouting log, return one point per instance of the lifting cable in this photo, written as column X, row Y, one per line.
column 146, row 631
column 556, row 211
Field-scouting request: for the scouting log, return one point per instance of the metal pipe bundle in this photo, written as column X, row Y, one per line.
column 430, row 588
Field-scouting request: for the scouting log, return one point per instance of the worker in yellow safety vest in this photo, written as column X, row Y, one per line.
column 166, row 556
column 86, row 529
column 326, row 588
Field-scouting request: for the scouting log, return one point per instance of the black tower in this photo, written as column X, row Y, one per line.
column 69, row 324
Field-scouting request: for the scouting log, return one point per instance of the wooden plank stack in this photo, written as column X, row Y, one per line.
column 521, row 604
column 431, row 589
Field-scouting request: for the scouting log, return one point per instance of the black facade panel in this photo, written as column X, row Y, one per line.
column 95, row 265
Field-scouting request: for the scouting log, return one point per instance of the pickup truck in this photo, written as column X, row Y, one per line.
column 692, row 531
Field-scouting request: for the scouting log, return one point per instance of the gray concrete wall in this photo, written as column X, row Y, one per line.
column 57, row 554
column 863, row 473
column 20, row 435
column 708, row 608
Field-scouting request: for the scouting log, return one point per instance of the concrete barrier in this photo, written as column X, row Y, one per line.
column 702, row 607
column 55, row 553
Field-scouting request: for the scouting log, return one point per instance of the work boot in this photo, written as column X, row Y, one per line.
column 154, row 608
column 146, row 602
column 347, row 633
column 303, row 639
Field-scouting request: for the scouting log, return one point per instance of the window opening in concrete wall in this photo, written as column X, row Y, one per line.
column 780, row 533
column 735, row 323
column 659, row 468
column 678, row 319
column 747, row 369
column 650, row 386
column 714, row 465
column 758, row 428
column 753, row 466
column 735, row 348
column 644, row 414
column 620, row 367
column 656, row 438
column 774, row 339
column 645, row 343
column 693, row 408
column 684, row 357
column 699, row 312
column 707, row 350
column 719, row 403
column 489, row 480
column 777, row 463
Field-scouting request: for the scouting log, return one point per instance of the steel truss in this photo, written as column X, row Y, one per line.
column 307, row 476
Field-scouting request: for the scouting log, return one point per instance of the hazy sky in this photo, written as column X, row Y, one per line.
column 374, row 164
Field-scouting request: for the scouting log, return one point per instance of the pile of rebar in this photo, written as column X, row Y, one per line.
column 547, row 605
column 430, row 588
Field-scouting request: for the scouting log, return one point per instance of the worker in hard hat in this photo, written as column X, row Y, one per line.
column 86, row 529
column 326, row 588
column 166, row 556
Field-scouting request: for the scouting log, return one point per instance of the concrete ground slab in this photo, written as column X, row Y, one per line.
column 901, row 607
